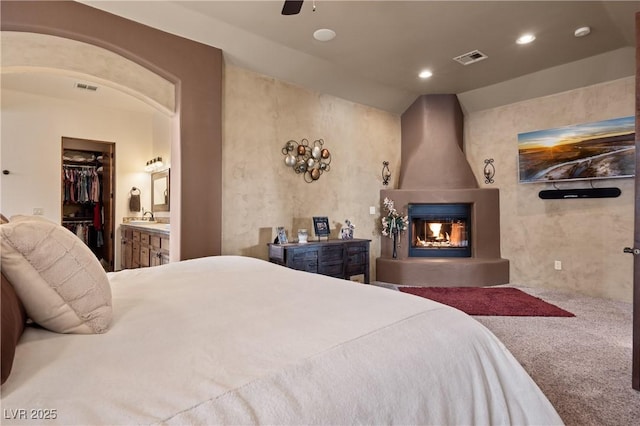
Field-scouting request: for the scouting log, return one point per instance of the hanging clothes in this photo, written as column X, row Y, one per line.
column 97, row 224
column 81, row 229
column 81, row 184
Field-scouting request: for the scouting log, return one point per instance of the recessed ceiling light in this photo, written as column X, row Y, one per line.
column 582, row 31
column 525, row 39
column 425, row 74
column 324, row 34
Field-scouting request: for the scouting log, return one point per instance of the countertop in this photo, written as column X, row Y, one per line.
column 164, row 228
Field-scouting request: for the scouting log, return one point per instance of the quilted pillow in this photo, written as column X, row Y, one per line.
column 13, row 320
column 56, row 276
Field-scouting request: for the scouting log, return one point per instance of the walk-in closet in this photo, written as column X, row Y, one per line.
column 87, row 194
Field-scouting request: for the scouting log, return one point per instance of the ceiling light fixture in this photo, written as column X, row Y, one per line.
column 525, row 39
column 582, row 31
column 324, row 34
column 425, row 74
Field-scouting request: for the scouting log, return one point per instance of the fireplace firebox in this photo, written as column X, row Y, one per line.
column 439, row 230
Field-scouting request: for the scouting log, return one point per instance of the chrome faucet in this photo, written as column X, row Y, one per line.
column 144, row 213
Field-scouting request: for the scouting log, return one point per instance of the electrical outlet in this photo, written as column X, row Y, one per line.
column 39, row 211
column 372, row 210
column 557, row 265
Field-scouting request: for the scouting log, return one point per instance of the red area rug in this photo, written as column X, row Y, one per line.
column 490, row 301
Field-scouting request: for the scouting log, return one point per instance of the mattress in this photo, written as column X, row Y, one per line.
column 237, row 340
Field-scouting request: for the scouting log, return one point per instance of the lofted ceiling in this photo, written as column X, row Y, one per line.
column 381, row 46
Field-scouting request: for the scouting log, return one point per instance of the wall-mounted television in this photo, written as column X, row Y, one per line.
column 600, row 150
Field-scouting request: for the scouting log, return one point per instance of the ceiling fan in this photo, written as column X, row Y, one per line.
column 292, row 7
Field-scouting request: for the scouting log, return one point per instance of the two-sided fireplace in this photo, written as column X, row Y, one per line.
column 439, row 230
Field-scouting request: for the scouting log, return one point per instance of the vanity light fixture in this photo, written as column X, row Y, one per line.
column 154, row 164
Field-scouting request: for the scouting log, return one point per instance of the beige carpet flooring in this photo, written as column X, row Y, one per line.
column 582, row 364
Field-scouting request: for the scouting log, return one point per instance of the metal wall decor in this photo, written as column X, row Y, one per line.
column 308, row 159
column 386, row 173
column 489, row 170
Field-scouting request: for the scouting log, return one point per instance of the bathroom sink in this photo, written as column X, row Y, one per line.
column 159, row 225
column 141, row 222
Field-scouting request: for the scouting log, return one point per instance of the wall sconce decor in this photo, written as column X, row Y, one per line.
column 154, row 164
column 489, row 170
column 310, row 160
column 386, row 173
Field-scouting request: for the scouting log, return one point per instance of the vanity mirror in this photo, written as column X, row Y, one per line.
column 160, row 191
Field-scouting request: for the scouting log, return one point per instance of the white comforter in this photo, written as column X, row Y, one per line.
column 235, row 340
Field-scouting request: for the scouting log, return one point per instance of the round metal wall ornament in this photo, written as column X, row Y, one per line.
column 309, row 159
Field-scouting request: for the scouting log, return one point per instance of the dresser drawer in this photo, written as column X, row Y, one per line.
column 276, row 253
column 331, row 253
column 303, row 260
column 352, row 249
column 356, row 258
column 356, row 265
column 332, row 269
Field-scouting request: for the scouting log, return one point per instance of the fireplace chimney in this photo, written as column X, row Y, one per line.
column 432, row 143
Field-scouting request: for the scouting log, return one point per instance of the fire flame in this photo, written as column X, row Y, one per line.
column 435, row 229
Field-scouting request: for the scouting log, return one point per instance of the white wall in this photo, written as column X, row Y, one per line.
column 586, row 235
column 31, row 141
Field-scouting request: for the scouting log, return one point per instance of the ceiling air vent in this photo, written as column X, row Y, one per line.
column 85, row 86
column 471, row 57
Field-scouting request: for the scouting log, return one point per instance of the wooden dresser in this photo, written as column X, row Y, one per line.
column 336, row 258
column 142, row 246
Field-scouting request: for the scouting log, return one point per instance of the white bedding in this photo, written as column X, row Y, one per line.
column 235, row 340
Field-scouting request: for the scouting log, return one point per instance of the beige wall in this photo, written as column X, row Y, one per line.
column 586, row 235
column 260, row 193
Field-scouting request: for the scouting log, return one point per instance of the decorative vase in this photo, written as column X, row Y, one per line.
column 395, row 243
column 303, row 236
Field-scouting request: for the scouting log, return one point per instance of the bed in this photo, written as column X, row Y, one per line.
column 237, row 340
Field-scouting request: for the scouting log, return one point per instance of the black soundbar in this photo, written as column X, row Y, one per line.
column 560, row 194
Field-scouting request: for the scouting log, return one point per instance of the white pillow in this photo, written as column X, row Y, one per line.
column 56, row 276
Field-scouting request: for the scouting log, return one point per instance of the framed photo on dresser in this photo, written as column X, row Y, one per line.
column 321, row 226
column 282, row 235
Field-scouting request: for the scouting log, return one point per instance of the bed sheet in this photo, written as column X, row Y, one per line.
column 236, row 340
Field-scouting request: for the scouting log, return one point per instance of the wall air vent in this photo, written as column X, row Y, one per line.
column 85, row 86
column 471, row 57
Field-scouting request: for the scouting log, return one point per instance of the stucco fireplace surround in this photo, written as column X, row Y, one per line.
column 462, row 249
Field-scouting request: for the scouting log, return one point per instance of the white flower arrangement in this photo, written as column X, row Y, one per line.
column 393, row 222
